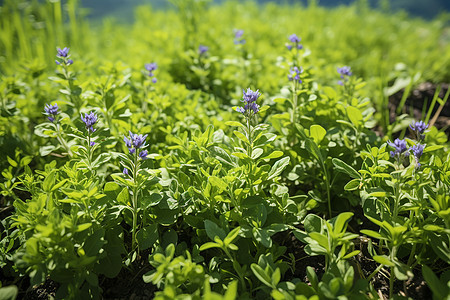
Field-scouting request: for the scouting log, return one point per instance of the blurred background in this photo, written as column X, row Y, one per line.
column 124, row 9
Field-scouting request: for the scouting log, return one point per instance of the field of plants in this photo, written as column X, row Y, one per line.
column 232, row 151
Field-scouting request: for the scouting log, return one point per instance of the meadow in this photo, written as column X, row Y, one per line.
column 232, row 151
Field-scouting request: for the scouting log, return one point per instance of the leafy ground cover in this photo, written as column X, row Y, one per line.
column 224, row 152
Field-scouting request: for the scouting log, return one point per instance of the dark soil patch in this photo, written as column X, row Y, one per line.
column 420, row 98
column 129, row 284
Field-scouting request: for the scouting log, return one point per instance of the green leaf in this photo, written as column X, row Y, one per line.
column 147, row 236
column 209, row 245
column 218, row 183
column 261, row 236
column 231, row 292
column 280, row 100
column 340, row 222
column 313, row 223
column 234, row 123
column 330, row 92
column 432, row 148
column 312, row 148
column 276, row 277
column 278, row 167
column 354, row 115
column 384, row 260
column 83, row 227
column 94, row 242
column 240, row 155
column 213, row 230
column 321, row 239
column 432, row 227
column 261, row 275
column 124, row 197
column 342, row 167
column 439, row 289
column 49, row 181
column 257, row 153
column 352, row 185
column 11, row 161
column 373, row 234
column 241, row 136
column 9, row 292
column 274, row 154
column 351, row 254
column 46, row 150
column 92, row 279
column 312, row 277
column 317, row 133
column 232, row 235
column 378, row 194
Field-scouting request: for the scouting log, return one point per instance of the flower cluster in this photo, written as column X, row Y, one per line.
column 202, row 49
column 90, row 120
column 150, row 68
column 294, row 74
column 63, row 55
column 295, row 42
column 345, row 72
column 238, row 39
column 136, row 142
column 51, row 111
column 417, row 151
column 419, row 129
column 249, row 98
column 400, row 147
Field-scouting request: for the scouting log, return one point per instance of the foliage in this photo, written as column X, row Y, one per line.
column 222, row 150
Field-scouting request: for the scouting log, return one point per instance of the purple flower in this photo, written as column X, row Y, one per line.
column 125, row 171
column 344, row 71
column 400, row 147
column 295, row 41
column 154, row 80
column 92, row 144
column 249, row 98
column 417, row 151
column 51, row 111
column 294, row 38
column 419, row 129
column 90, row 120
column 143, row 154
column 63, row 53
column 150, row 68
column 238, row 39
column 135, row 141
column 202, row 49
column 294, row 74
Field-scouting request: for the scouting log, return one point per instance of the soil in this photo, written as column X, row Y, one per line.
column 416, row 101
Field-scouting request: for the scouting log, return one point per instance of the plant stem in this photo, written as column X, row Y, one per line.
column 327, row 183
column 61, row 140
column 397, row 196
column 89, row 152
column 135, row 200
column 374, row 272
